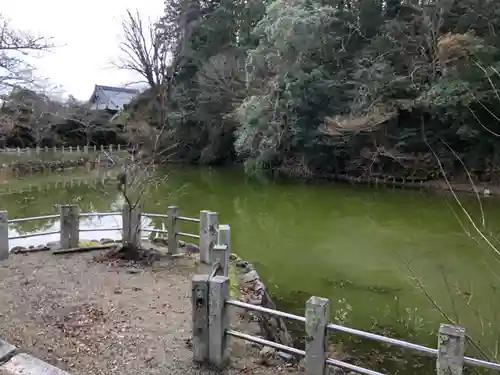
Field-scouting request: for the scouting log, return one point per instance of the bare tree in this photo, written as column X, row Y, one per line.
column 143, row 49
column 15, row 47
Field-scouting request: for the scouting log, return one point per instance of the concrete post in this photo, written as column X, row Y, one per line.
column 218, row 320
column 54, row 149
column 95, row 148
column 317, row 316
column 110, row 149
column 173, row 213
column 70, row 149
column 46, row 149
column 28, row 151
column 131, row 219
column 4, row 235
column 118, row 147
column 78, row 149
column 208, row 235
column 37, row 150
column 451, row 350
column 18, row 151
column 102, row 148
column 222, row 250
column 69, row 226
column 199, row 296
column 85, row 149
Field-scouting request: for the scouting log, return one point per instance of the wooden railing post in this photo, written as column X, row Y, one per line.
column 208, row 235
column 4, row 235
column 222, row 250
column 199, row 297
column 173, row 245
column 131, row 218
column 218, row 319
column 70, row 221
column 317, row 317
column 451, row 350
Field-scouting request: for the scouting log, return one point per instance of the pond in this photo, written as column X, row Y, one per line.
column 379, row 255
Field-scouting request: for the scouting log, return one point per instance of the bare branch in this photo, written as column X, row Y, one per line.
column 15, row 47
column 143, row 50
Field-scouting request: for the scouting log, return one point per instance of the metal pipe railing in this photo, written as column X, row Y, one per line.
column 100, row 214
column 335, row 327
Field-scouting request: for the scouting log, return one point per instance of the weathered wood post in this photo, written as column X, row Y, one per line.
column 70, row 221
column 222, row 250
column 173, row 245
column 131, row 219
column 317, row 316
column 199, row 297
column 218, row 320
column 451, row 350
column 4, row 235
column 208, row 235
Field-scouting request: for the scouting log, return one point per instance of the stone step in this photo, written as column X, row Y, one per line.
column 6, row 350
column 24, row 364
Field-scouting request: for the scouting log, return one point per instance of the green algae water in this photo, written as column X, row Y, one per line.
column 379, row 255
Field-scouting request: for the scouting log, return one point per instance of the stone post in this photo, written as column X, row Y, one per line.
column 222, row 250
column 70, row 149
column 131, row 219
column 18, row 151
column 78, row 149
column 199, row 297
column 4, row 235
column 37, row 150
column 102, row 148
column 46, row 149
column 451, row 350
column 95, row 148
column 208, row 235
column 70, row 221
column 317, row 316
column 85, row 149
column 110, row 149
column 218, row 318
column 54, row 149
column 173, row 213
column 118, row 147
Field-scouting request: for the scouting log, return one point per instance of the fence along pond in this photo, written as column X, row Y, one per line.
column 211, row 300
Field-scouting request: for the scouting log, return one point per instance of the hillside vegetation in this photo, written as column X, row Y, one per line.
column 308, row 87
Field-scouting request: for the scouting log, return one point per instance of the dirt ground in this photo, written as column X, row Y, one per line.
column 100, row 318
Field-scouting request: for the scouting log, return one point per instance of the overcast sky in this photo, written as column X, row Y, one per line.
column 89, row 32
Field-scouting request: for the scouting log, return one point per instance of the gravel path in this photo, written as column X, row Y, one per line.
column 95, row 318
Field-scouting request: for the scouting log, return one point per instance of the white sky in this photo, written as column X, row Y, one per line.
column 89, row 32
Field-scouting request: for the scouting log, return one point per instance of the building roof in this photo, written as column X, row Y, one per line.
column 112, row 98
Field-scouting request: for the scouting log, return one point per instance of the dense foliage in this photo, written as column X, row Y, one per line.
column 335, row 87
